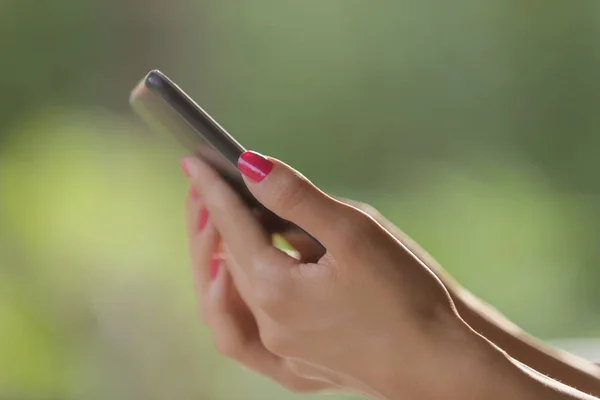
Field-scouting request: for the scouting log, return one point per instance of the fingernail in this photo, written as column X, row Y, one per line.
column 184, row 167
column 194, row 193
column 202, row 218
column 255, row 166
column 214, row 267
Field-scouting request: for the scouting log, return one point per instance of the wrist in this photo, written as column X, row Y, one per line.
column 489, row 323
column 459, row 364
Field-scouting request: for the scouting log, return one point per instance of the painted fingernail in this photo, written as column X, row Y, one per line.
column 255, row 166
column 202, row 218
column 184, row 167
column 194, row 193
column 214, row 267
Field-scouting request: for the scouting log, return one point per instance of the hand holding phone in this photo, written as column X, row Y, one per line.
column 167, row 108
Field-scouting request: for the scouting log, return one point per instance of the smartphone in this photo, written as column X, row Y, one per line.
column 168, row 109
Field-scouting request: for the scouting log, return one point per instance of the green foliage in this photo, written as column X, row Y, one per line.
column 469, row 124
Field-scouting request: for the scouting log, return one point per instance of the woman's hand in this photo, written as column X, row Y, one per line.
column 484, row 319
column 369, row 316
column 232, row 324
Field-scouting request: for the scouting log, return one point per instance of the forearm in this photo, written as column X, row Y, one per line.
column 464, row 365
column 563, row 367
column 550, row 389
column 559, row 365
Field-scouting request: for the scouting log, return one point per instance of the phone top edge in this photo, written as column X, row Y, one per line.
column 156, row 80
column 163, row 86
column 152, row 81
column 158, row 85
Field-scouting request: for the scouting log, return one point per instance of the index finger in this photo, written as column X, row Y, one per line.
column 246, row 239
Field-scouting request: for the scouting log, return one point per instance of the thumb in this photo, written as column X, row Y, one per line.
column 292, row 197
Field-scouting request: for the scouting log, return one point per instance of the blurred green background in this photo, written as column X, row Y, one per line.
column 472, row 125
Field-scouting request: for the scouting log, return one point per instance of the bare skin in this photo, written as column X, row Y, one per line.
column 564, row 367
column 369, row 317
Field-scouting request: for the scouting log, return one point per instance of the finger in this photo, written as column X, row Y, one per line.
column 247, row 241
column 203, row 241
column 236, row 336
column 294, row 198
column 376, row 215
column 362, row 207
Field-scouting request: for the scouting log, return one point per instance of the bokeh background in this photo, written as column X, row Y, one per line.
column 472, row 125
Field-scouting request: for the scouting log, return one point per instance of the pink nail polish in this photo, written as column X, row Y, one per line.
column 202, row 218
column 255, row 166
column 214, row 267
column 184, row 168
column 194, row 193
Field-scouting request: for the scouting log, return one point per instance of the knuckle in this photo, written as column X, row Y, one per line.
column 275, row 342
column 298, row 385
column 316, row 275
column 372, row 211
column 300, row 369
column 364, row 207
column 358, row 229
column 229, row 347
column 314, row 375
